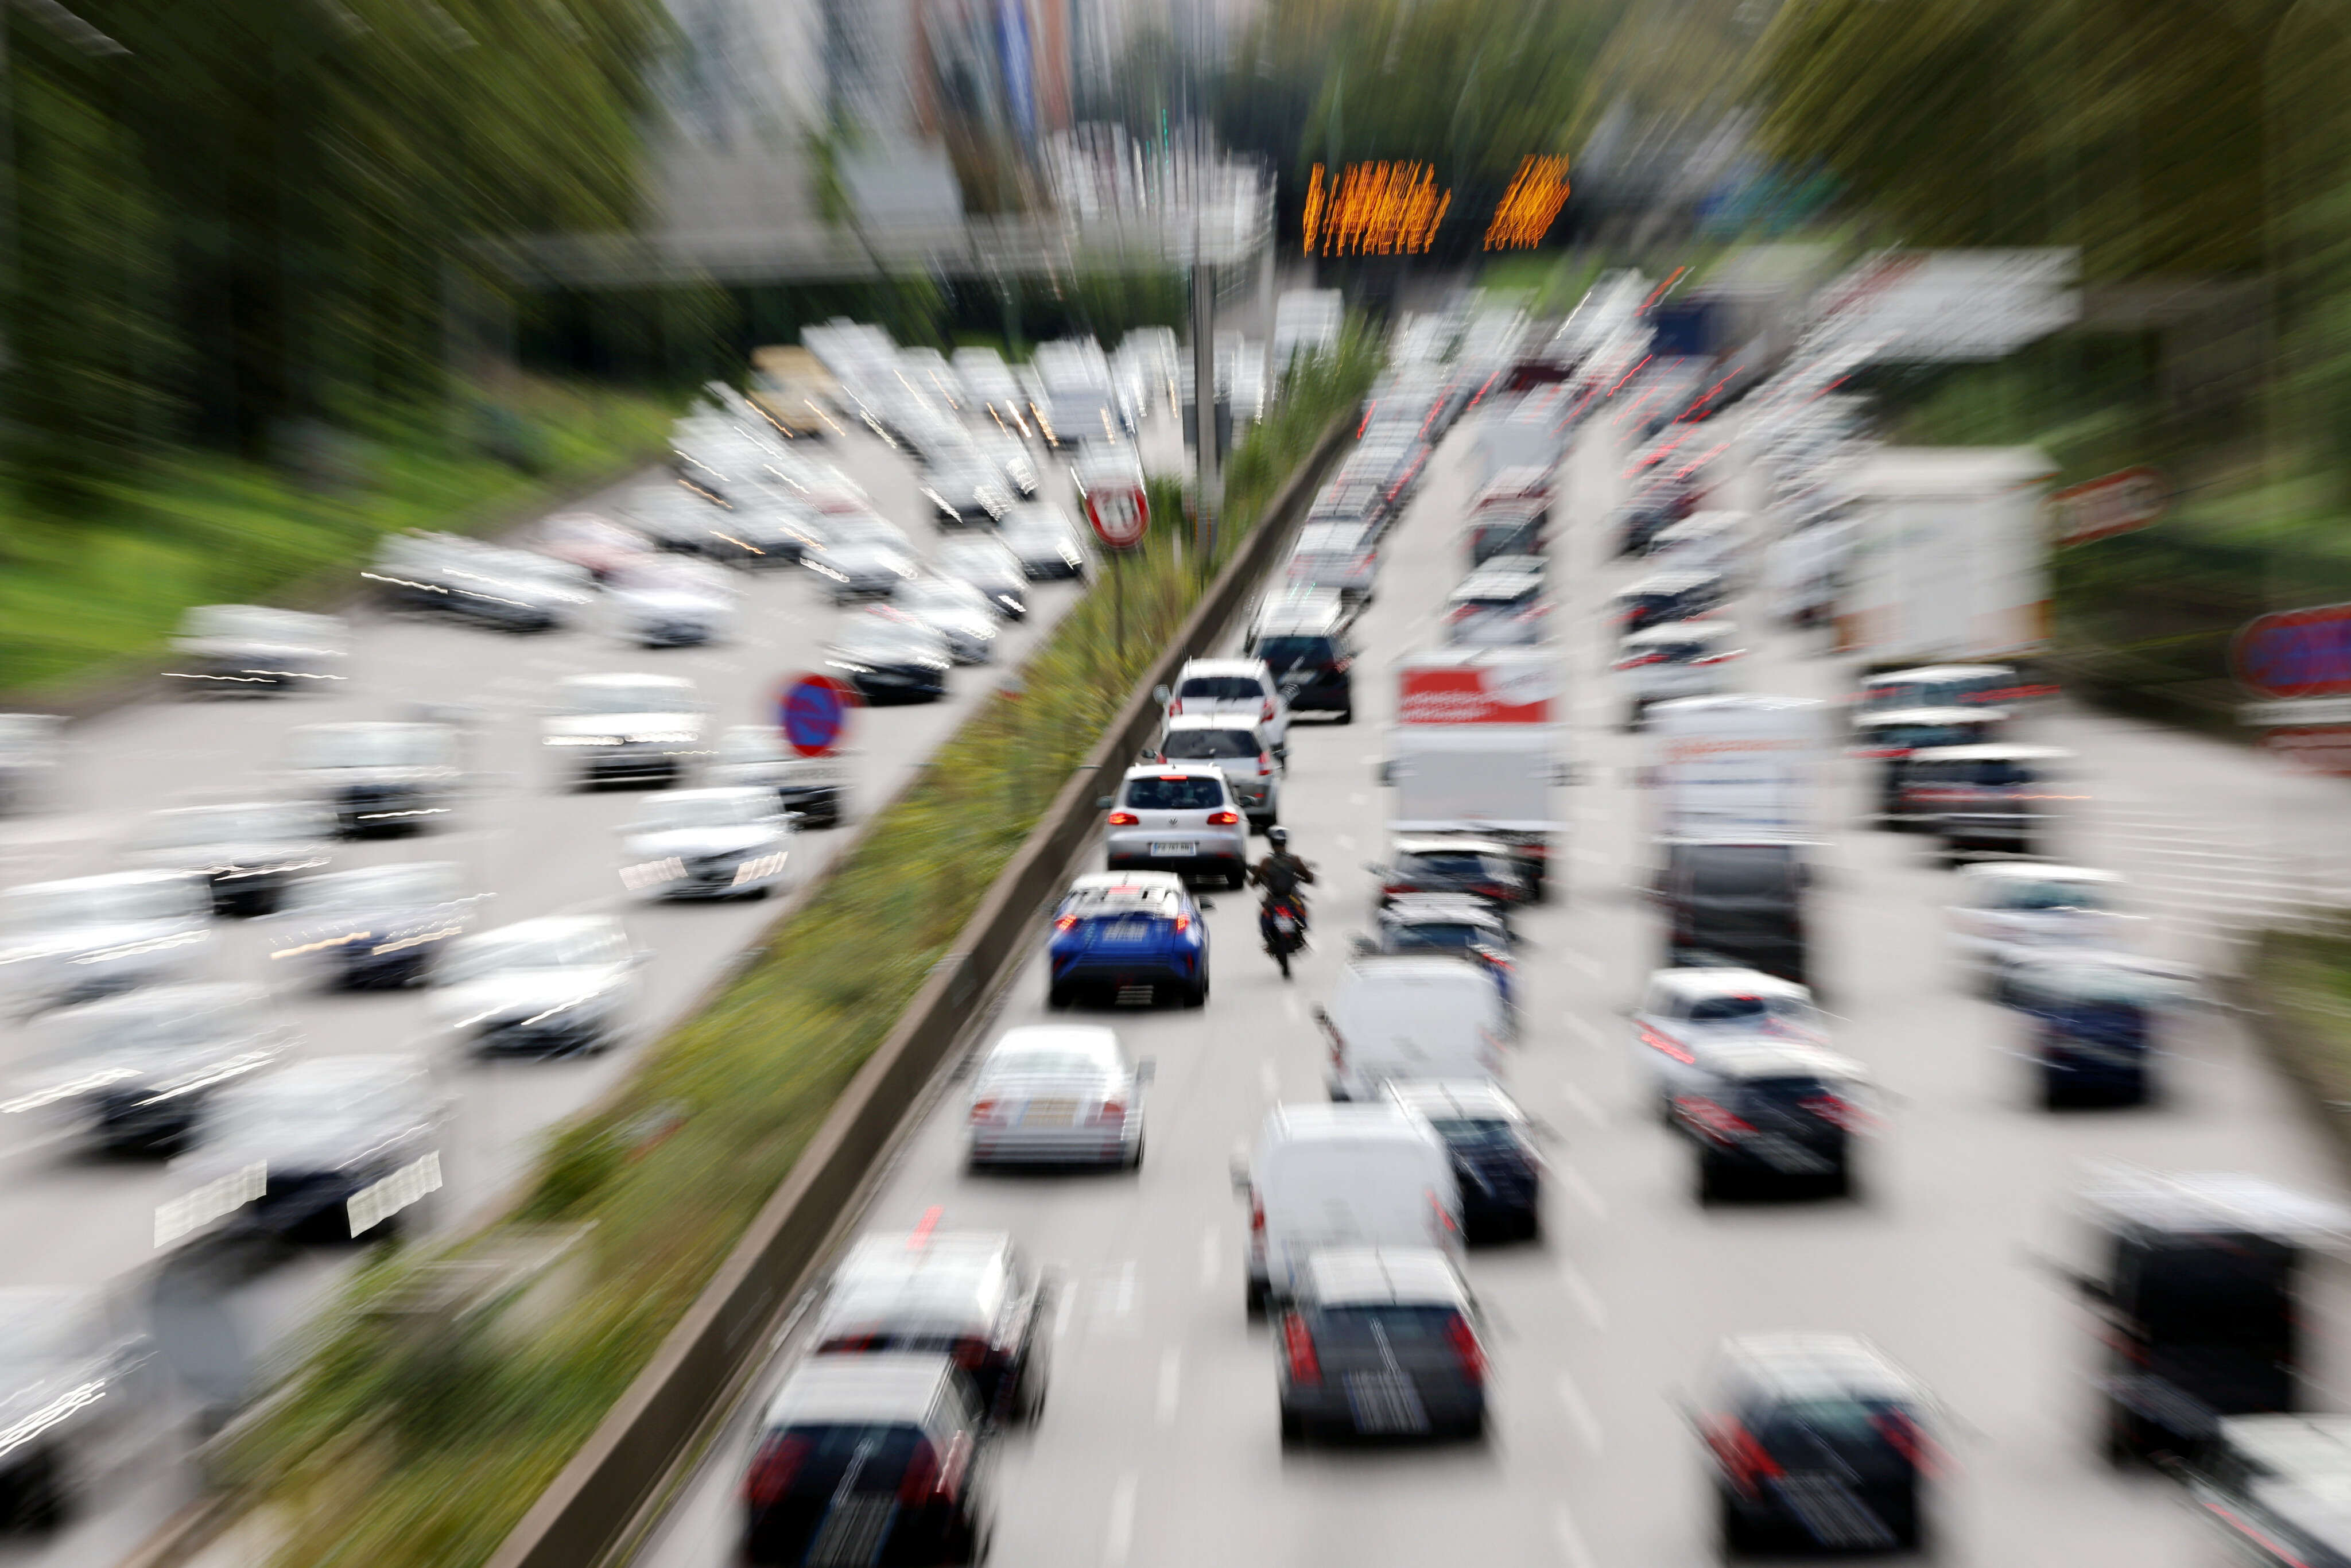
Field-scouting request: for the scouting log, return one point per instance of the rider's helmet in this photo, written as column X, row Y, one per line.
column 1277, row 837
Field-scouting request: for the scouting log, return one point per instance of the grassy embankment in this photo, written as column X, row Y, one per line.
column 383, row 1459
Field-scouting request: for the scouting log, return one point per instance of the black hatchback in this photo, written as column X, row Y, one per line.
column 1312, row 659
column 1773, row 1116
column 1492, row 1148
column 873, row 1460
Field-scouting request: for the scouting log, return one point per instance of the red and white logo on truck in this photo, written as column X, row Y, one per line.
column 1489, row 686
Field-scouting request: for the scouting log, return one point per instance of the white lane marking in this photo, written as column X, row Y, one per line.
column 1582, row 1191
column 1570, row 1540
column 1579, row 1412
column 1064, row 1308
column 1582, row 1103
column 1171, row 1383
column 1268, row 1079
column 1212, row 1256
column 1582, row 1028
column 1114, row 1298
column 1586, row 1300
column 1121, row 1537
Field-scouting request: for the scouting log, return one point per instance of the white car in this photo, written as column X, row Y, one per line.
column 728, row 842
column 602, row 728
column 1235, row 688
column 1687, row 1016
column 1056, row 1094
column 956, row 611
column 1046, row 542
column 1679, row 659
column 2009, row 912
column 75, row 941
column 1238, row 746
column 547, row 986
column 667, row 601
column 1177, row 816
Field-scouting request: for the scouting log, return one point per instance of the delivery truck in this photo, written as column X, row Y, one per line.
column 1474, row 750
column 1949, row 558
column 1737, row 766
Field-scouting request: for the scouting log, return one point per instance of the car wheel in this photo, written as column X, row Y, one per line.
column 1471, row 1429
column 1253, row 1296
column 1741, row 1534
column 1347, row 714
column 1712, row 1179
column 1135, row 1157
column 1293, row 1430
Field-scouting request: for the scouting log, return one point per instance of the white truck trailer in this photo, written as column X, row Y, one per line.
column 1474, row 750
column 1949, row 560
column 1735, row 767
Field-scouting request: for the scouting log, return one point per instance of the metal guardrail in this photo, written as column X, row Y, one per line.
column 590, row 1505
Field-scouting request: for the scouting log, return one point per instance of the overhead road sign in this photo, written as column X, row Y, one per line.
column 2292, row 653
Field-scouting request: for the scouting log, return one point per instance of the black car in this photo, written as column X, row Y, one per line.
column 1817, row 1442
column 248, row 852
column 377, row 927
column 1380, row 1342
column 877, row 1459
column 1492, row 1147
column 76, row 1378
column 967, row 495
column 379, row 778
column 1772, row 1115
column 1481, row 869
column 1312, row 657
column 967, row 1296
column 892, row 658
column 134, row 1073
column 1737, row 904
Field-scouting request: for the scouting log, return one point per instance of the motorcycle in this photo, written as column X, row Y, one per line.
column 1284, row 923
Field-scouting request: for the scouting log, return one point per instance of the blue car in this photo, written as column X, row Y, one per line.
column 1124, row 929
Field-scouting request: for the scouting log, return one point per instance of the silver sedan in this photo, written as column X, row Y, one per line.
column 1057, row 1095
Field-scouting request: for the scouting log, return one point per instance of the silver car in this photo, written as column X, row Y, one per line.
column 854, row 568
column 252, row 649
column 730, row 843
column 134, row 1071
column 813, row 787
column 618, row 728
column 379, row 777
column 1179, row 817
column 75, row 941
column 545, row 987
column 1056, row 1094
column 991, row 568
column 1239, row 749
column 375, row 926
column 247, row 853
column 1045, row 541
column 1233, row 688
column 956, row 612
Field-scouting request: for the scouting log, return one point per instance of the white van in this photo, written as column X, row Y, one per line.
column 1411, row 1016
column 1330, row 1175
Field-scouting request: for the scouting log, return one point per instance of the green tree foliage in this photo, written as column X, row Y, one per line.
column 230, row 215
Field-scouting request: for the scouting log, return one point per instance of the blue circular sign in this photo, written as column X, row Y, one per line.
column 814, row 712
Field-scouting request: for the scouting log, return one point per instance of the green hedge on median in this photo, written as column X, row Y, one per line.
column 390, row 1456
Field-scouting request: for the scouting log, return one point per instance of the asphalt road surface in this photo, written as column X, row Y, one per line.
column 70, row 1219
column 1158, row 1447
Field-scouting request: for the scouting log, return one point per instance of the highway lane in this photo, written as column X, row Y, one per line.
column 66, row 1218
column 1159, row 1446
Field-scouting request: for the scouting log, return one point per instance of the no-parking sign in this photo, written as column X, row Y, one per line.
column 813, row 713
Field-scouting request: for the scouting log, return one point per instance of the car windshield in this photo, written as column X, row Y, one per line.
column 1837, row 1419
column 1221, row 689
column 1285, row 653
column 2051, row 895
column 627, row 697
column 1207, row 745
column 370, row 748
column 1730, row 873
column 377, row 887
column 1176, row 792
column 229, row 824
column 501, row 952
column 1918, row 737
column 1996, row 774
column 661, row 816
column 34, row 911
column 1747, row 1007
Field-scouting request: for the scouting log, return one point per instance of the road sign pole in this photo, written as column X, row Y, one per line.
column 1118, row 607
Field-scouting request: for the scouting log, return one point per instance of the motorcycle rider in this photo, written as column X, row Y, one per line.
column 1283, row 876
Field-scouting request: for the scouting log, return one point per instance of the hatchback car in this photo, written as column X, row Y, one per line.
column 1818, row 1441
column 956, row 611
column 966, row 1295
column 732, row 842
column 1380, row 1341
column 1239, row 748
column 1312, row 657
column 1124, row 931
column 547, row 986
column 815, row 789
column 1500, row 604
column 988, row 566
column 891, row 657
column 869, row 1458
column 624, row 728
column 247, row 853
column 1492, row 1146
column 135, row 1072
column 1180, row 817
column 1773, row 1114
column 1240, row 688
column 379, row 778
column 1482, row 869
column 1685, row 1015
column 1056, row 1094
column 373, row 927
column 1046, row 542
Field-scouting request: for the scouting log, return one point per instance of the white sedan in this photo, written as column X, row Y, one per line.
column 1687, row 1014
column 2012, row 911
column 728, row 843
column 1057, row 1095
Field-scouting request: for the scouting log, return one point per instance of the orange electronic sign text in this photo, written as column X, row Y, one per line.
column 1373, row 209
column 1529, row 207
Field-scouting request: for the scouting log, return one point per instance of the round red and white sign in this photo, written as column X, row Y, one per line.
column 1119, row 516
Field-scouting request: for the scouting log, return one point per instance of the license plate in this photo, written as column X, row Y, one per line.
column 1050, row 1113
column 1166, row 850
column 1284, row 923
column 1782, row 1155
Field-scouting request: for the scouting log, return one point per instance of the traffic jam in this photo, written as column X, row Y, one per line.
column 1677, row 1097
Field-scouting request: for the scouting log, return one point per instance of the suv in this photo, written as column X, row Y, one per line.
column 1177, row 816
column 1736, row 904
column 1381, row 1342
column 968, row 1294
column 1771, row 1110
column 1481, row 869
column 1311, row 653
column 1239, row 749
column 1244, row 688
column 869, row 1458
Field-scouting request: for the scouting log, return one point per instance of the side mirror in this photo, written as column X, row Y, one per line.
column 1238, row 1168
column 1160, row 694
column 1104, row 803
column 1146, row 1070
column 1152, row 757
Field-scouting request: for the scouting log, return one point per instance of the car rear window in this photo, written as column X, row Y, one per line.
column 1222, row 689
column 1917, row 736
column 1290, row 653
column 1490, row 1133
column 1174, row 793
column 1439, row 936
column 827, row 1454
column 1446, row 863
column 1741, row 874
column 1398, row 1324
column 1207, row 745
column 1995, row 775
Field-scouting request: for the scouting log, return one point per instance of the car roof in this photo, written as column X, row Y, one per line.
column 1345, row 1121
column 2209, row 1202
column 1681, row 632
column 1367, row 1276
column 1121, row 880
column 1781, row 1059
column 1668, row 582
column 555, row 924
column 1409, row 906
column 1438, row 843
column 861, row 1389
column 1468, row 1099
column 1414, row 966
column 1792, row 1366
column 1212, row 721
column 1302, row 621
column 1223, row 668
column 713, row 792
column 1093, row 1040
column 1942, row 673
column 105, row 879
column 2035, row 870
column 1717, row 981
column 1995, row 751
column 1195, row 768
column 1931, row 716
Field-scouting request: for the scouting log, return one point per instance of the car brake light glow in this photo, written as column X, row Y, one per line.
column 1744, row 1462
column 983, row 1110
column 1065, row 922
column 1183, row 922
column 1264, row 766
column 1836, row 1110
column 1711, row 1119
column 1257, row 1213
column 771, row 1471
column 1267, row 711
column 1112, row 1111
column 1298, row 1344
column 1464, row 1340
column 1175, row 706
column 1668, row 1045
column 1223, row 819
column 1123, row 819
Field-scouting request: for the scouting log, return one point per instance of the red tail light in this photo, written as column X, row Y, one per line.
column 1836, row 1110
column 1183, row 922
column 983, row 1110
column 1668, row 1045
column 1066, row 923
column 1123, row 819
column 1112, row 1111
column 1223, row 819
column 1464, row 1340
column 1264, row 766
column 1340, row 668
column 1175, row 706
column 1718, row 1125
column 770, row 1474
column 1267, row 711
column 1256, row 1214
column 922, row 1476
column 1299, row 1346
column 1744, row 1462
column 1903, row 1435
